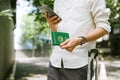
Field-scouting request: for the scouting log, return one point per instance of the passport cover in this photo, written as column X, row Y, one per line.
column 59, row 37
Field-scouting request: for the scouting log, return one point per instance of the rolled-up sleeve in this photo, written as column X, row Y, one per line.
column 100, row 14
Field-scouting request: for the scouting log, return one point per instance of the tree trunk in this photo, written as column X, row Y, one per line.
column 7, row 57
column 33, row 48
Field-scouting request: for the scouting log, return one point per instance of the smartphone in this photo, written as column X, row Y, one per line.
column 47, row 9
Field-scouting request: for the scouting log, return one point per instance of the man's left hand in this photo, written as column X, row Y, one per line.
column 70, row 44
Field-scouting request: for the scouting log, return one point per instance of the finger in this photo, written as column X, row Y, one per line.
column 55, row 21
column 65, row 42
column 67, row 45
column 51, row 20
column 46, row 15
column 54, row 18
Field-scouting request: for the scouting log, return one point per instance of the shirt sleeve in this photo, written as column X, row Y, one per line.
column 100, row 14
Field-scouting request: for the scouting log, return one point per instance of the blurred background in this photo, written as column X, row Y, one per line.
column 25, row 41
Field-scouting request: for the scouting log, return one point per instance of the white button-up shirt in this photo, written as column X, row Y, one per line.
column 79, row 18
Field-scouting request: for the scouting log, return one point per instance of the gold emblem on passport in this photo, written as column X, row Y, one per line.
column 59, row 37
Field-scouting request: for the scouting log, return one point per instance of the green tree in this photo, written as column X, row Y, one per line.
column 7, row 13
column 114, row 6
column 35, row 23
column 37, row 4
column 31, row 31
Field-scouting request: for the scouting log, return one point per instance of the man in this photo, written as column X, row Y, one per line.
column 85, row 21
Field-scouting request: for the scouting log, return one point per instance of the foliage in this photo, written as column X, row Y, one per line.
column 37, row 3
column 35, row 22
column 114, row 6
column 31, row 30
column 7, row 13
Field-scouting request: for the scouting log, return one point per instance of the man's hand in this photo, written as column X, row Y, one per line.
column 53, row 21
column 70, row 44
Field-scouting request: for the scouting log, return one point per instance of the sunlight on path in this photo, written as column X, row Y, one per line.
column 36, row 77
column 102, row 73
column 109, row 70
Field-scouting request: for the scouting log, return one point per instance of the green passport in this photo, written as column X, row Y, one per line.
column 59, row 37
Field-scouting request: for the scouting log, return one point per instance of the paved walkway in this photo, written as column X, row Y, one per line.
column 36, row 69
column 31, row 68
column 113, row 69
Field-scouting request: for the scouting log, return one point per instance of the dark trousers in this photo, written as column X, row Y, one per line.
column 67, row 74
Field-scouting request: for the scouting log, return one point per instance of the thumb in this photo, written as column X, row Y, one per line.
column 64, row 43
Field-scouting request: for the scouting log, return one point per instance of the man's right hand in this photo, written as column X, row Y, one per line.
column 53, row 21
